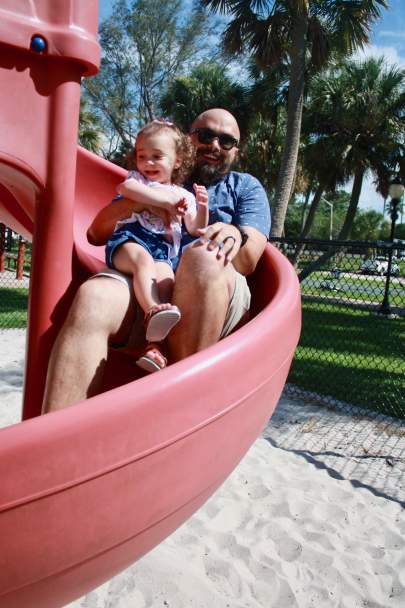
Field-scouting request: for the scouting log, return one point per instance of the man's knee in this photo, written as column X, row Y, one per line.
column 201, row 265
column 99, row 305
column 200, row 272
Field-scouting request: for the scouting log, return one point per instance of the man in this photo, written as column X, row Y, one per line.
column 210, row 288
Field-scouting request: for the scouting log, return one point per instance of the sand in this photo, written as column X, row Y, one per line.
column 312, row 517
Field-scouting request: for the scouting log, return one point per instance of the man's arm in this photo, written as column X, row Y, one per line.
column 227, row 239
column 248, row 256
column 136, row 197
column 252, row 216
column 104, row 223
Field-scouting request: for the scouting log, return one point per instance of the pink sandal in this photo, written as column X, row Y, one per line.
column 148, row 362
column 158, row 323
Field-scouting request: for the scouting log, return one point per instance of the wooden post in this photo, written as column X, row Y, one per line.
column 2, row 247
column 20, row 259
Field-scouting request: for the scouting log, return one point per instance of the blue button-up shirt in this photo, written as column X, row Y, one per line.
column 239, row 199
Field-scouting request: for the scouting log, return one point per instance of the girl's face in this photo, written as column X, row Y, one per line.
column 156, row 156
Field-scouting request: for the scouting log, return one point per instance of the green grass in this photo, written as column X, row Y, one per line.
column 13, row 307
column 353, row 356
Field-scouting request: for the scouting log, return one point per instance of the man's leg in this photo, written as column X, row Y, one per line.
column 203, row 290
column 102, row 309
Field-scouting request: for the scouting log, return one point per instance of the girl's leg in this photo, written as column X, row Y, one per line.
column 152, row 358
column 131, row 258
column 164, row 317
column 165, row 281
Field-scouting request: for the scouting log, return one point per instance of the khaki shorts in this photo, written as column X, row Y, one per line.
column 238, row 309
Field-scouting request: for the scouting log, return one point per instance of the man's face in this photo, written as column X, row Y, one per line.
column 213, row 159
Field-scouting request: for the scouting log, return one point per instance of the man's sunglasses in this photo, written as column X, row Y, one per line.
column 206, row 136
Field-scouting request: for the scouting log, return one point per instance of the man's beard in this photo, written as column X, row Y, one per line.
column 205, row 173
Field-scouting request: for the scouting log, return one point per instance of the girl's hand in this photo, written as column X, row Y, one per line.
column 178, row 209
column 175, row 205
column 201, row 195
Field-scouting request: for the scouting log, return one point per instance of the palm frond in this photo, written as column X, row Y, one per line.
column 320, row 42
column 350, row 21
column 217, row 6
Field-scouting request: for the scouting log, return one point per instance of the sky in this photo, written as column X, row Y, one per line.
column 387, row 39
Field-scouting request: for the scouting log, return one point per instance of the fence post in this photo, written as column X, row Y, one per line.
column 20, row 259
column 2, row 247
column 9, row 239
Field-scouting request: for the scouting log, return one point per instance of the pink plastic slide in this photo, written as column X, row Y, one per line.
column 86, row 491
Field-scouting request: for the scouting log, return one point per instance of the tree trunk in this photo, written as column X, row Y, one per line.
column 353, row 204
column 294, row 119
column 308, row 224
column 345, row 230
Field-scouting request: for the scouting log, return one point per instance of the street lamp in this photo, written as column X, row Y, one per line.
column 396, row 191
column 331, row 217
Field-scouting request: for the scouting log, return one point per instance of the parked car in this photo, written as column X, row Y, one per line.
column 379, row 265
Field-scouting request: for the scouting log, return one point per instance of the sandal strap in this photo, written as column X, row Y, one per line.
column 153, row 346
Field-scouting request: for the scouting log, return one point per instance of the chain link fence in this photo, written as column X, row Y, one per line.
column 352, row 344
column 15, row 263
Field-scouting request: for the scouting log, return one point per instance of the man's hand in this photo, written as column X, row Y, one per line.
column 224, row 237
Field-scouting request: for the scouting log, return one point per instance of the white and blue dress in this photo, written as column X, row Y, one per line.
column 149, row 230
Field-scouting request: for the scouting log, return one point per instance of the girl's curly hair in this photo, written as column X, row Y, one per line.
column 184, row 148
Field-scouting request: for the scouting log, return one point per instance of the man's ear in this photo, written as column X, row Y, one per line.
column 178, row 162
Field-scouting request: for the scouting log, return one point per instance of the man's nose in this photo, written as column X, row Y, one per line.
column 215, row 144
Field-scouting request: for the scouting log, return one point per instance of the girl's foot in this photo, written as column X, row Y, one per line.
column 152, row 359
column 160, row 320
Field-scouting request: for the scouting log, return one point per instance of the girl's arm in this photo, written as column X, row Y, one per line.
column 163, row 198
column 104, row 223
column 200, row 219
column 162, row 201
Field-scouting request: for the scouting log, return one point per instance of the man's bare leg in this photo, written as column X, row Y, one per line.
column 102, row 309
column 203, row 289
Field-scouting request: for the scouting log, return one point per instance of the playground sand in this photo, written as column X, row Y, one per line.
column 282, row 532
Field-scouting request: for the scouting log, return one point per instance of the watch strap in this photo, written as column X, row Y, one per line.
column 244, row 236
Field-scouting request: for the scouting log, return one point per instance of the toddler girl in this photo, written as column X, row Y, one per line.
column 146, row 245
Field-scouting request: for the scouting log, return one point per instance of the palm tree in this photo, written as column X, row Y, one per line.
column 206, row 87
column 359, row 111
column 260, row 150
column 303, row 34
column 89, row 128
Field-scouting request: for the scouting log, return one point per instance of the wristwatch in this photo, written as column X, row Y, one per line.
column 244, row 236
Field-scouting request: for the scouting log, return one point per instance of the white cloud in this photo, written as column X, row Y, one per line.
column 390, row 54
